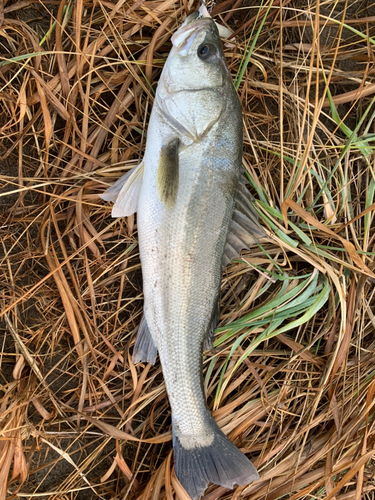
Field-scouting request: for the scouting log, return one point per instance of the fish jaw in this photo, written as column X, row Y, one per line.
column 183, row 34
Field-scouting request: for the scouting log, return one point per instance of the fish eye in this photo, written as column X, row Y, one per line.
column 205, row 51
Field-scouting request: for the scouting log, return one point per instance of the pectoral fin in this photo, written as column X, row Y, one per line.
column 125, row 192
column 168, row 173
column 244, row 230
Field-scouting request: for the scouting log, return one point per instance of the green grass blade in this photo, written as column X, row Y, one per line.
column 243, row 66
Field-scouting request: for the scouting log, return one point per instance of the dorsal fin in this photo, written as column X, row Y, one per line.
column 244, row 229
column 208, row 341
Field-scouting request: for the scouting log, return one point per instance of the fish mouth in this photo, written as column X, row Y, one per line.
column 184, row 37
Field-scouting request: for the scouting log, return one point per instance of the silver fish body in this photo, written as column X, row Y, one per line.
column 192, row 168
column 181, row 252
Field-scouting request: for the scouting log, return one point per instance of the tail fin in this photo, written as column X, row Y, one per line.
column 220, row 463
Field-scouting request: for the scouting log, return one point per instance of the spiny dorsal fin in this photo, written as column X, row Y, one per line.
column 244, row 230
column 168, row 173
column 125, row 192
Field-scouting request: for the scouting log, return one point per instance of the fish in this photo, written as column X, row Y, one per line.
column 194, row 215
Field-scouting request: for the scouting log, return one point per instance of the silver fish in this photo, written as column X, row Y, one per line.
column 193, row 217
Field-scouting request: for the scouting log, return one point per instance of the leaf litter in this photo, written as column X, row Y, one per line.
column 291, row 378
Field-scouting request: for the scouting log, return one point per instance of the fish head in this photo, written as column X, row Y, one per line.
column 195, row 86
column 196, row 60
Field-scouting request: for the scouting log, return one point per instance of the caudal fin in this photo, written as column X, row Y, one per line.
column 220, row 463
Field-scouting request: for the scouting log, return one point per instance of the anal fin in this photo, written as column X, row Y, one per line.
column 144, row 348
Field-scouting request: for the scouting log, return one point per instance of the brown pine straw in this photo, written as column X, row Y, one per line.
column 77, row 419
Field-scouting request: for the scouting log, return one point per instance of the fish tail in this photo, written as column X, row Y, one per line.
column 220, row 462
